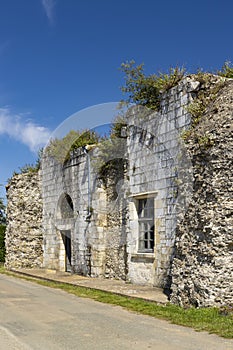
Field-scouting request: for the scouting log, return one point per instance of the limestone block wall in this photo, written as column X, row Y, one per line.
column 158, row 162
column 60, row 181
column 107, row 244
column 24, row 215
column 96, row 247
column 203, row 264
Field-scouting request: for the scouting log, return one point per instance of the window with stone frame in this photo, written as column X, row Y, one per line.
column 146, row 225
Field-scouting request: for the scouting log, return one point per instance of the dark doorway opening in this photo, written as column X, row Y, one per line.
column 66, row 237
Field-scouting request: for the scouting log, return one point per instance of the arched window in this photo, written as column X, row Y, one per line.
column 65, row 206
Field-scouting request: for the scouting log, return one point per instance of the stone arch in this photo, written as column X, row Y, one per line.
column 65, row 207
column 65, row 225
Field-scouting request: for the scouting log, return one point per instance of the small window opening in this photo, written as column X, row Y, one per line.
column 146, row 225
column 67, row 208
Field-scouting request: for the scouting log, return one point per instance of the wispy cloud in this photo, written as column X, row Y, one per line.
column 26, row 132
column 49, row 7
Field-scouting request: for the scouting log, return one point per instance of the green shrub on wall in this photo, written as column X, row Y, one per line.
column 146, row 90
column 2, row 243
column 60, row 148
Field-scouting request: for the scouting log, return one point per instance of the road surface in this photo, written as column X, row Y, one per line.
column 37, row 317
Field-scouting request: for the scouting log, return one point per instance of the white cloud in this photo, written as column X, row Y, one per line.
column 28, row 133
column 49, row 6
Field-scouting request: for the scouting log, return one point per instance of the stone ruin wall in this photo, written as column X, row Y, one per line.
column 202, row 270
column 201, row 263
column 116, row 256
column 98, row 244
column 24, row 233
column 154, row 164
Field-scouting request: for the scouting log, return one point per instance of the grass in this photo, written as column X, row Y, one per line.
column 204, row 319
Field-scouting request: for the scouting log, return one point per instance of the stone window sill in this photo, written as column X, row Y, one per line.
column 143, row 257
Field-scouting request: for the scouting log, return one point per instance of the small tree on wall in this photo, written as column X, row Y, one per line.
column 146, row 90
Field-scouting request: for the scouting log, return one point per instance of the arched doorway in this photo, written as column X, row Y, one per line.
column 65, row 216
column 66, row 238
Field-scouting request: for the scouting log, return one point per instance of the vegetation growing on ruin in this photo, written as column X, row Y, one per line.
column 143, row 90
column 146, row 90
column 60, row 148
column 227, row 70
column 211, row 85
column 112, row 152
column 206, row 95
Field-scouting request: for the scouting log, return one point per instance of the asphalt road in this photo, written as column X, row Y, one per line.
column 37, row 317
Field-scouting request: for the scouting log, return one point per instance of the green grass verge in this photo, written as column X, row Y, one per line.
column 204, row 319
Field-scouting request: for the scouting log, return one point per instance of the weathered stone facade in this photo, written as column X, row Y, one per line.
column 93, row 224
column 107, row 244
column 155, row 159
column 203, row 264
column 97, row 238
column 24, row 233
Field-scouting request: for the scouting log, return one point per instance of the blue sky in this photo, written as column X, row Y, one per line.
column 58, row 57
